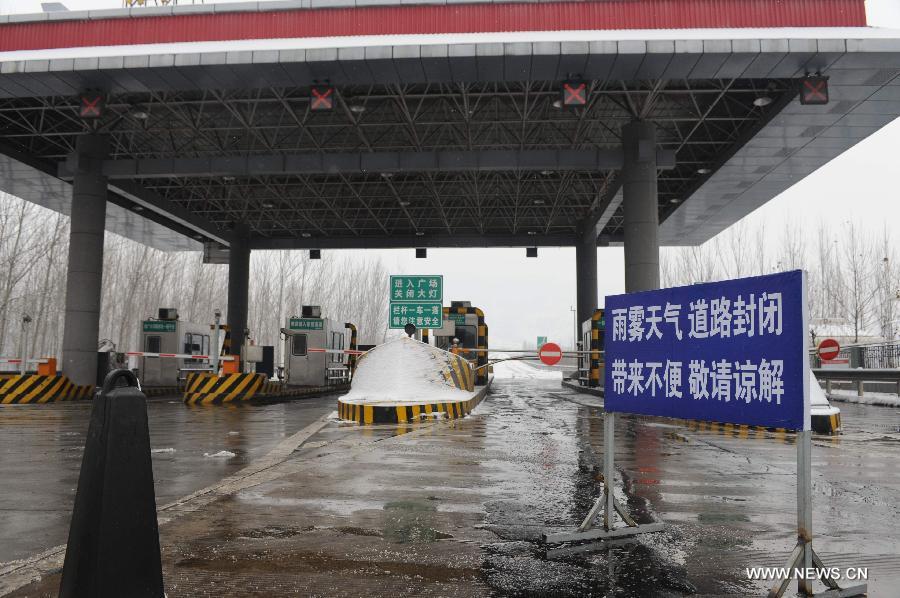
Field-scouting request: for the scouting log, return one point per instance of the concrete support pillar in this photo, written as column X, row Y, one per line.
column 586, row 276
column 238, row 283
column 639, row 198
column 84, row 272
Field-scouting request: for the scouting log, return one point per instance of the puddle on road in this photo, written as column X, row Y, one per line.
column 411, row 521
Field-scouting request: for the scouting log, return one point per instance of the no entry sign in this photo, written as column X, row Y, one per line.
column 829, row 349
column 550, row 353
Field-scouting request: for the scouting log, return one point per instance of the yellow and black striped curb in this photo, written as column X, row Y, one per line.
column 34, row 388
column 210, row 389
column 821, row 424
column 384, row 414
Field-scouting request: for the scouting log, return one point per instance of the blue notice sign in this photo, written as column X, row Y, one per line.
column 733, row 351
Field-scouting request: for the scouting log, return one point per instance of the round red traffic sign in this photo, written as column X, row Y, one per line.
column 550, row 353
column 829, row 349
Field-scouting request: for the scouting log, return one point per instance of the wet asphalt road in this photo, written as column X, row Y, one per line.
column 41, row 448
column 458, row 508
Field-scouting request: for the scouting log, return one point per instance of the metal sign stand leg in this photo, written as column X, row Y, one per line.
column 606, row 502
column 803, row 556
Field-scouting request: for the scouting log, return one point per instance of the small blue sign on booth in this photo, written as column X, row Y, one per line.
column 733, row 351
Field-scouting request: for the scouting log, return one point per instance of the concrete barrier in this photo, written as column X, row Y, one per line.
column 36, row 388
column 206, row 388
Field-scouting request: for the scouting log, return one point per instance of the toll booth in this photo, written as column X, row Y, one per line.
column 168, row 334
column 314, row 349
column 466, row 324
column 590, row 365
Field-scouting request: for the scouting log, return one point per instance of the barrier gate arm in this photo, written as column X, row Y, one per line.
column 176, row 355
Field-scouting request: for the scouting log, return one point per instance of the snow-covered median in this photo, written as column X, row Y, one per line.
column 882, row 399
column 403, row 371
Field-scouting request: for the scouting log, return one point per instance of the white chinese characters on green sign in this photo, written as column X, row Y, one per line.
column 417, row 300
column 421, row 315
column 306, row 324
column 417, row 288
column 159, row 326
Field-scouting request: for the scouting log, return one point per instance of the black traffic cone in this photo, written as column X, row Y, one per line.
column 113, row 548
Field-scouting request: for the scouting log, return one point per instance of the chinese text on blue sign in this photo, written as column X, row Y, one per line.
column 731, row 351
column 416, row 299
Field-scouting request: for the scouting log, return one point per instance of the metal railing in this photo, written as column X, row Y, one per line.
column 859, row 376
column 873, row 356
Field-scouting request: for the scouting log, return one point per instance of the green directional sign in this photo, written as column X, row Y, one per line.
column 417, row 288
column 542, row 340
column 159, row 326
column 457, row 318
column 426, row 314
column 306, row 324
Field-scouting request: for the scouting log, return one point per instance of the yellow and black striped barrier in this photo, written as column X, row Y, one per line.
column 352, row 359
column 159, row 391
column 824, row 424
column 480, row 357
column 399, row 414
column 38, row 388
column 209, row 389
column 598, row 326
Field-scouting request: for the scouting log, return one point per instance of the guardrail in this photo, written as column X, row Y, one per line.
column 858, row 375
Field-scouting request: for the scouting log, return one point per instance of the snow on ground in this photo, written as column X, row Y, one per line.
column 884, row 399
column 220, row 455
column 522, row 369
column 403, row 371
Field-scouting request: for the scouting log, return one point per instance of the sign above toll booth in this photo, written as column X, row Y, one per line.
column 306, row 324
column 733, row 351
column 427, row 314
column 417, row 288
column 159, row 326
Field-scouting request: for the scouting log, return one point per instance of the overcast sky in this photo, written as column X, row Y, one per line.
column 523, row 298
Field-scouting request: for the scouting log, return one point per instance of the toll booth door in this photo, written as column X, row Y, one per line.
column 151, row 371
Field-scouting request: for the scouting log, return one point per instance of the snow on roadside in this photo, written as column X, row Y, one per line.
column 523, row 370
column 882, row 399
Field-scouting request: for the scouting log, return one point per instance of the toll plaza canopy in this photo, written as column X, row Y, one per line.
column 371, row 123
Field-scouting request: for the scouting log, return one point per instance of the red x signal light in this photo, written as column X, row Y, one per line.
column 91, row 105
column 574, row 93
column 814, row 90
column 321, row 98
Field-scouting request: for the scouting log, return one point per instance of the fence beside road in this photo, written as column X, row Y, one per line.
column 859, row 376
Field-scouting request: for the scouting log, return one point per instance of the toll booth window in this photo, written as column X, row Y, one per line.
column 193, row 344
column 151, row 344
column 298, row 345
column 337, row 342
column 468, row 336
column 205, row 350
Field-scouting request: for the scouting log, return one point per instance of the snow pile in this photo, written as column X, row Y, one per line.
column 818, row 402
column 403, row 371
